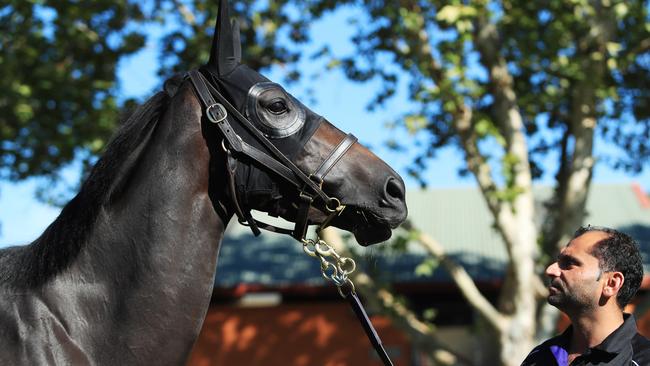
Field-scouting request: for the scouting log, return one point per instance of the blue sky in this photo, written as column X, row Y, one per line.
column 339, row 100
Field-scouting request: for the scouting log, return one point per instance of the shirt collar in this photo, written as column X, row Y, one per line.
column 621, row 337
column 613, row 343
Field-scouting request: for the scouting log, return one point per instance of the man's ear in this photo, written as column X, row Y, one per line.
column 613, row 284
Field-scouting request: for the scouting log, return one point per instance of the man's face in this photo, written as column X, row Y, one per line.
column 575, row 278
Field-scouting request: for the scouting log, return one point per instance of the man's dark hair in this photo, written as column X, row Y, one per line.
column 618, row 252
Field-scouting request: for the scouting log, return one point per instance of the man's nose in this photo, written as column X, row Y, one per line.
column 553, row 270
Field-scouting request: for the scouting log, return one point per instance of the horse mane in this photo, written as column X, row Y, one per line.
column 64, row 238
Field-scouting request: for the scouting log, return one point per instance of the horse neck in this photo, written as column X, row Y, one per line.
column 154, row 248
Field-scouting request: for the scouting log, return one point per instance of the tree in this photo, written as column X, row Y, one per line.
column 60, row 93
column 511, row 83
column 57, row 79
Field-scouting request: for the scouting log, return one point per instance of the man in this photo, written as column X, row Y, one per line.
column 594, row 277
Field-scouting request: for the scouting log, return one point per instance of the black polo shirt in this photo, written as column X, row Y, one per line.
column 624, row 347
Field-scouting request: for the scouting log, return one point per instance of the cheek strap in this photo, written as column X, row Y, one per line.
column 333, row 206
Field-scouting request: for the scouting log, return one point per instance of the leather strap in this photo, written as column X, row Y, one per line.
column 244, row 217
column 334, row 157
column 218, row 114
column 306, row 200
column 215, row 112
column 300, row 177
column 361, row 314
column 302, row 217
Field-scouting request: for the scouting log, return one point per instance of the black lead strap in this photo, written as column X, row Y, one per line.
column 367, row 326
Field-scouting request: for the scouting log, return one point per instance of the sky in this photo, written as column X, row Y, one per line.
column 23, row 218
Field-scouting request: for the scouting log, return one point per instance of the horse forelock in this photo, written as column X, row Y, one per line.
column 64, row 238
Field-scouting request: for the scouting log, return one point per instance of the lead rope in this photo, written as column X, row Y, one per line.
column 337, row 269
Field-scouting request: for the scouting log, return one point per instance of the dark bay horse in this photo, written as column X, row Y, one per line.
column 124, row 275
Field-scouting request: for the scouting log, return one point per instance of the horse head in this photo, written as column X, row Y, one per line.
column 372, row 192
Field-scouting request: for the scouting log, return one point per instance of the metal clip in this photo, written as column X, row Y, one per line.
column 223, row 146
column 334, row 206
column 334, row 267
column 346, row 262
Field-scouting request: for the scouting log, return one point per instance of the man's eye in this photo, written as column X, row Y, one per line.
column 277, row 107
column 565, row 263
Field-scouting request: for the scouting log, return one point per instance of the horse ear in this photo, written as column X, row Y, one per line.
column 236, row 42
column 225, row 54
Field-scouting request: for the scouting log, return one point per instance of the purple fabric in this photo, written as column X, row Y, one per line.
column 561, row 355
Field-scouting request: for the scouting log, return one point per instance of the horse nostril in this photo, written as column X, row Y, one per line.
column 394, row 189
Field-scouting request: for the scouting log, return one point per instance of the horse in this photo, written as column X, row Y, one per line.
column 124, row 275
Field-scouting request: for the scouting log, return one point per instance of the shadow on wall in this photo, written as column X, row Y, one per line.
column 295, row 335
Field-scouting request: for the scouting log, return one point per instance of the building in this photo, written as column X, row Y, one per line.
column 272, row 307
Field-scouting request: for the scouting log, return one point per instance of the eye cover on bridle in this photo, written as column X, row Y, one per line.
column 289, row 118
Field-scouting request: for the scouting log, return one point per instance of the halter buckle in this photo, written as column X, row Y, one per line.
column 334, row 205
column 316, row 179
column 216, row 113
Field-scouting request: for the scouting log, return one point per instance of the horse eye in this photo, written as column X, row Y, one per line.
column 277, row 107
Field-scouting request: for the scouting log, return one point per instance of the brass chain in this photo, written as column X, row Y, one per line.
column 333, row 266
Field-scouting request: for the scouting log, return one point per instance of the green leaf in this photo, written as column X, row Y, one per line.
column 24, row 112
column 613, row 48
column 426, row 268
column 333, row 63
column 415, row 123
column 23, row 90
column 621, row 9
column 429, row 314
column 448, row 14
column 452, row 13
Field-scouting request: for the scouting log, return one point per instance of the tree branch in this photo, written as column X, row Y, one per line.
column 464, row 282
column 185, row 12
column 421, row 333
column 462, row 122
column 554, row 228
column 508, row 119
column 517, row 226
column 573, row 187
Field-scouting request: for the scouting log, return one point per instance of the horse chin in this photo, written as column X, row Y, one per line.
column 372, row 235
column 367, row 229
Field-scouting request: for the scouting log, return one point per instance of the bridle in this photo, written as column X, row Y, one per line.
column 309, row 185
column 333, row 266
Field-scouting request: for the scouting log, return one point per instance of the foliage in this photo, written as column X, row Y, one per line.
column 60, row 96
column 267, row 32
column 57, row 79
column 512, row 84
column 59, row 61
column 412, row 42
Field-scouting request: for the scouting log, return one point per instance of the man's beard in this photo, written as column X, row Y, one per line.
column 567, row 300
